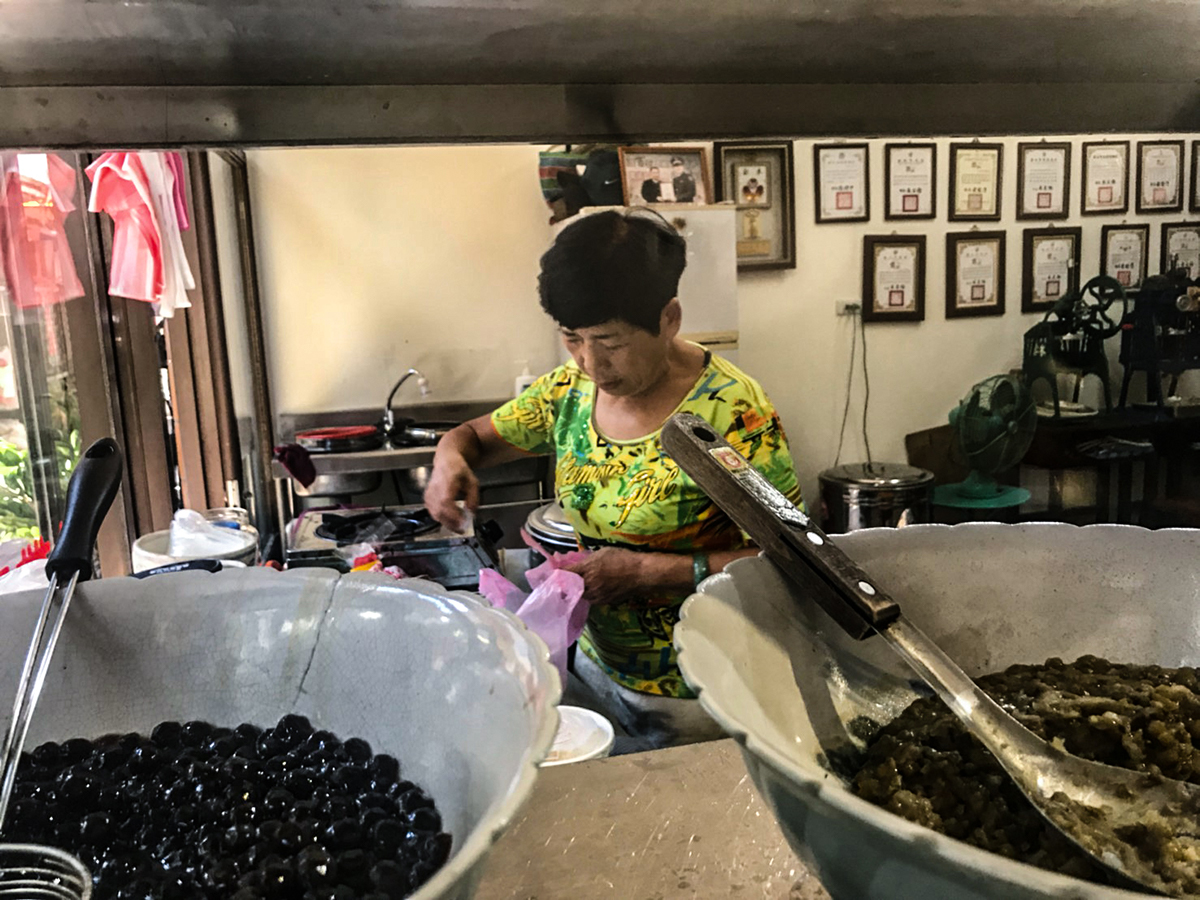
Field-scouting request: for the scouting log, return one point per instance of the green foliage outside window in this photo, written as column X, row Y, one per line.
column 18, row 506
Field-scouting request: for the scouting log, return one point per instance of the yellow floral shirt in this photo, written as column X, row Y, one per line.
column 631, row 494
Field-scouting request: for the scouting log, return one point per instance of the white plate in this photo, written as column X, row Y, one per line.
column 1066, row 409
column 582, row 734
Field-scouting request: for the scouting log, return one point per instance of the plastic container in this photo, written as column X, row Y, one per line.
column 150, row 551
column 523, row 381
column 228, row 515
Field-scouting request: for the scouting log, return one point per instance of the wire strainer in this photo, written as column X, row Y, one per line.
column 35, row 871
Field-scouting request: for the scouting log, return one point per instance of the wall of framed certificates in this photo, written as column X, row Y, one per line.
column 953, row 247
column 1068, row 208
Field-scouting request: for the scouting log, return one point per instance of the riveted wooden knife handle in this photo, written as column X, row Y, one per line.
column 788, row 537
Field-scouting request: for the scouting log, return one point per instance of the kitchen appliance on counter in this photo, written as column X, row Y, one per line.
column 403, row 536
column 870, row 495
column 548, row 526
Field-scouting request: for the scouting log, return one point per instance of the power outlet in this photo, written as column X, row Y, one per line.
column 848, row 307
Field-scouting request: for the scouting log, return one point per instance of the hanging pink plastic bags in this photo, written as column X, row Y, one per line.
column 555, row 611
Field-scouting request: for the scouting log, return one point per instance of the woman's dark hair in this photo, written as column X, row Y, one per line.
column 612, row 265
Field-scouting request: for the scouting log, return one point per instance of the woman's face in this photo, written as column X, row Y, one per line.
column 622, row 359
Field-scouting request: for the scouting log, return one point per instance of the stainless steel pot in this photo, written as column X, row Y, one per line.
column 548, row 526
column 870, row 495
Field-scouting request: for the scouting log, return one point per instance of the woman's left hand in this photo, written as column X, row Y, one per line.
column 610, row 575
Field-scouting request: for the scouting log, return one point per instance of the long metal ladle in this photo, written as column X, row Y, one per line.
column 1101, row 809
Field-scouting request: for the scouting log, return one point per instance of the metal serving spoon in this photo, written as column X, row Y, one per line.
column 1104, row 810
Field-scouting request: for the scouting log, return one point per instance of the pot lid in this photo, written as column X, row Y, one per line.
column 877, row 475
column 550, row 520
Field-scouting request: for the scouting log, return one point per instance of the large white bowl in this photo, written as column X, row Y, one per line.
column 461, row 693
column 787, row 682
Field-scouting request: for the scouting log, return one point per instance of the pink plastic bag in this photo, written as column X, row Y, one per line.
column 555, row 611
column 499, row 591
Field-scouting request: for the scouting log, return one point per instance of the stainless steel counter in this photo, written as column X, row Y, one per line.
column 678, row 824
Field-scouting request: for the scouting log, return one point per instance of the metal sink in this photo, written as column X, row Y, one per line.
column 387, row 457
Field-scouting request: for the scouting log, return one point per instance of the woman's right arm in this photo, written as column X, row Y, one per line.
column 472, row 445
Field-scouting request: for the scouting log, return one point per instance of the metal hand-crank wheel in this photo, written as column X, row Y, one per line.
column 1095, row 299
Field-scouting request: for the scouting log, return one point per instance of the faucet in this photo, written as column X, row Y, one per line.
column 389, row 418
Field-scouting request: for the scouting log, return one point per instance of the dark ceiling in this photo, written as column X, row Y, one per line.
column 267, row 71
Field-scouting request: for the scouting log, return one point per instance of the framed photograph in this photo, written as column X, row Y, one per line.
column 974, row 274
column 1105, row 178
column 664, row 175
column 910, row 178
column 758, row 177
column 893, row 278
column 1043, row 180
column 1159, row 176
column 1180, row 248
column 1194, row 197
column 975, row 178
column 1124, row 253
column 1049, row 266
column 842, row 182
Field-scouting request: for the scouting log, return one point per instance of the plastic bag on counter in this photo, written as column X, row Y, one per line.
column 363, row 558
column 194, row 537
column 555, row 611
column 23, row 565
column 28, row 577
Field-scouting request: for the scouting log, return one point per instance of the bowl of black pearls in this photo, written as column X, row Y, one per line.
column 262, row 735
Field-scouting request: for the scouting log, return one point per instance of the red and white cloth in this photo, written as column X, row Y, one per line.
column 143, row 192
column 36, row 194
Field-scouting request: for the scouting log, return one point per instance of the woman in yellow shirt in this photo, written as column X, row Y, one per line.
column 610, row 282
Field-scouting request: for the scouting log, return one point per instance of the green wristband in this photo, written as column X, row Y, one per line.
column 700, row 569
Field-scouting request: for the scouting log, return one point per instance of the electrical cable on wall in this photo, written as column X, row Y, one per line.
column 854, row 338
column 866, row 389
column 849, row 384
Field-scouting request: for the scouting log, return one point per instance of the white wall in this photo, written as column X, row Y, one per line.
column 375, row 260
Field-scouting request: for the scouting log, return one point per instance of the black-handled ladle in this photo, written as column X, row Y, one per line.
column 34, row 870
column 1068, row 791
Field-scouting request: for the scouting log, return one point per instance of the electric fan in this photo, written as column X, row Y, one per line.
column 995, row 424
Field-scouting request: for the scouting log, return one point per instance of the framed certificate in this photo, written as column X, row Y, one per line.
column 1050, row 266
column 1159, row 176
column 1181, row 248
column 1105, row 178
column 910, row 174
column 893, row 278
column 1194, row 198
column 975, row 175
column 974, row 274
column 757, row 177
column 842, row 182
column 1124, row 251
column 1043, row 180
